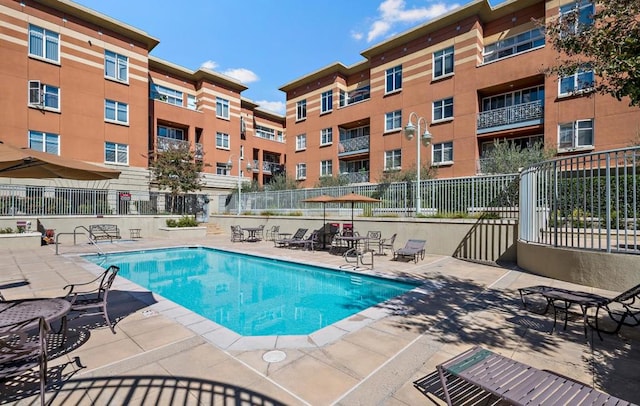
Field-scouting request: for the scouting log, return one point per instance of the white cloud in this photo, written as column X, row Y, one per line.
column 356, row 35
column 242, row 75
column 275, row 106
column 394, row 12
column 211, row 65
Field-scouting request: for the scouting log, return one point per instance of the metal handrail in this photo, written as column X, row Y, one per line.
column 91, row 240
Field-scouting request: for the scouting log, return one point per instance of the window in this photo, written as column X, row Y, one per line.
column 442, row 153
column 301, row 171
column 578, row 15
column 354, row 96
column 581, row 81
column 392, row 159
column 301, row 110
column 222, row 108
column 44, row 44
column 393, row 121
column 222, row 168
column 170, row 132
column 532, row 94
column 116, row 153
column 514, row 45
column 394, row 79
column 280, row 136
column 301, row 142
column 326, row 168
column 166, row 95
column 578, row 134
column 443, row 62
column 443, row 109
column 326, row 102
column 46, row 142
column 115, row 111
column 222, row 140
column 44, row 95
column 265, row 132
column 116, row 66
column 326, row 136
column 192, row 102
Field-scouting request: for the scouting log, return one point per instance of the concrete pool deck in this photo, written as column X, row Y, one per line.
column 164, row 354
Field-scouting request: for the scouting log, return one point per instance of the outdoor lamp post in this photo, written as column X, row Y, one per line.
column 409, row 133
column 230, row 165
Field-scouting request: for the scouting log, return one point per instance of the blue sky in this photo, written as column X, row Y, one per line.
column 268, row 43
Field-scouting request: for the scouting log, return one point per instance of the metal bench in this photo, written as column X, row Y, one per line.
column 104, row 232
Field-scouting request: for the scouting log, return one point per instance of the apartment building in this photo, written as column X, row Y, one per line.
column 474, row 75
column 79, row 84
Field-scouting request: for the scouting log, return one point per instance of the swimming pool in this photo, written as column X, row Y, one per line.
column 250, row 295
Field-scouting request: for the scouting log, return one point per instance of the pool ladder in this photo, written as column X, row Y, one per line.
column 75, row 233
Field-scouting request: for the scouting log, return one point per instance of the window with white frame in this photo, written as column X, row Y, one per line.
column 578, row 134
column 44, row 43
column 301, row 110
column 326, row 168
column 222, row 140
column 46, row 142
column 170, row 132
column 116, row 112
column 43, row 95
column 265, row 132
column 116, row 66
column 301, row 171
column 442, row 153
column 393, row 121
column 514, row 45
column 192, row 102
column 393, row 81
column 326, row 136
column 280, row 136
column 301, row 142
column 326, row 101
column 222, row 108
column 167, row 95
column 578, row 15
column 443, row 62
column 115, row 153
column 581, row 81
column 222, row 168
column 392, row 159
column 443, row 109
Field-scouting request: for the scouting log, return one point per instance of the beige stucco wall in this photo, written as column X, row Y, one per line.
column 616, row 272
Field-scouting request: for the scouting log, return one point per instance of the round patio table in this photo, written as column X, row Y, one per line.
column 15, row 311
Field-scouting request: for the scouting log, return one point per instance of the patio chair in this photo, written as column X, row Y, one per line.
column 92, row 301
column 514, row 382
column 386, row 243
column 20, row 353
column 623, row 309
column 413, row 249
column 237, row 235
column 272, row 233
column 284, row 242
column 373, row 240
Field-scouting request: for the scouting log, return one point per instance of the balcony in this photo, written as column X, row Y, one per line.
column 165, row 143
column 267, row 167
column 356, row 177
column 353, row 145
column 199, row 152
column 506, row 118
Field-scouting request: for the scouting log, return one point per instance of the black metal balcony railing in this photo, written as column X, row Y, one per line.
column 267, row 167
column 165, row 143
column 511, row 115
column 199, row 151
column 354, row 144
column 356, row 177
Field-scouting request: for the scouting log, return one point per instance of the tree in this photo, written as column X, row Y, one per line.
column 281, row 182
column 177, row 170
column 509, row 157
column 330, row 181
column 610, row 46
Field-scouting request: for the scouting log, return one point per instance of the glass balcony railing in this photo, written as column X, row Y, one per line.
column 511, row 117
column 353, row 144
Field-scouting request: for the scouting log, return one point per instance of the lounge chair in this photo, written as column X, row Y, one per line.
column 623, row 309
column 309, row 243
column 19, row 353
column 413, row 249
column 92, row 301
column 284, row 242
column 515, row 382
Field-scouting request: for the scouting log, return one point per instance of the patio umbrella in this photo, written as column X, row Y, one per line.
column 324, row 199
column 27, row 163
column 354, row 198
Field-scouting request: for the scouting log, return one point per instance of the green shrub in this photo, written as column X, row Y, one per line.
column 172, row 223
column 7, row 230
column 296, row 214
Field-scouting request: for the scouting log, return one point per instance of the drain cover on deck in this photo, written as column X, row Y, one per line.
column 274, row 356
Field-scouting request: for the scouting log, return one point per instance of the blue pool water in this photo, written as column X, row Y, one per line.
column 250, row 295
